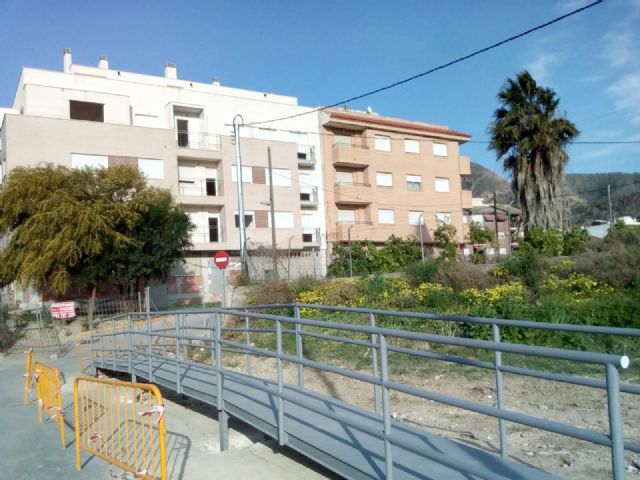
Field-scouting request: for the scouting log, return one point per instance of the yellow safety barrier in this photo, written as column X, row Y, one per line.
column 122, row 423
column 49, row 396
column 28, row 377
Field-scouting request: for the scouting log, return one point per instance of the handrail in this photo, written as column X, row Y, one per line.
column 182, row 334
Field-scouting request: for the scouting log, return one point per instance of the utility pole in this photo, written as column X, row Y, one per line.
column 421, row 240
column 350, row 259
column 610, row 208
column 495, row 223
column 274, row 251
column 237, row 122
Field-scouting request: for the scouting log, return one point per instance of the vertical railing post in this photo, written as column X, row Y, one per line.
column 386, row 408
column 213, row 339
column 497, row 361
column 113, row 342
column 149, row 350
column 615, row 422
column 281, row 440
column 102, row 344
column 129, row 343
column 299, row 350
column 222, row 415
column 374, row 363
column 178, row 373
column 247, row 340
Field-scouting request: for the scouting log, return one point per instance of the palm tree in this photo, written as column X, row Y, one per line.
column 530, row 137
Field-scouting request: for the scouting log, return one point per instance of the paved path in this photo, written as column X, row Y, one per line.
column 29, row 451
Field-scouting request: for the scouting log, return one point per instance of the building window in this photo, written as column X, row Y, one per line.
column 384, row 179
column 247, row 174
column 443, row 218
column 281, row 177
column 344, row 178
column 415, row 217
column 249, row 218
column 477, row 218
column 411, row 146
column 346, row 216
column 151, row 167
column 386, row 216
column 80, row 160
column 93, row 112
column 283, row 219
column 442, row 184
column 440, row 149
column 382, row 143
column 214, row 229
column 414, row 182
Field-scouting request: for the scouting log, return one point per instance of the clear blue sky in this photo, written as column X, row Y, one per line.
column 324, row 51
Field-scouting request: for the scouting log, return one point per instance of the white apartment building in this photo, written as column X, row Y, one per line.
column 178, row 133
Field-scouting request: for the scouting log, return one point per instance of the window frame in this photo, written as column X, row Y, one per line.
column 387, row 141
column 409, row 182
column 439, row 190
column 435, row 150
column 411, row 141
column 387, row 210
column 390, row 176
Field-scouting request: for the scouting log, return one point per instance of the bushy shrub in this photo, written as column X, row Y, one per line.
column 272, row 292
column 366, row 258
column 445, row 239
column 614, row 260
column 421, row 272
column 344, row 292
column 547, row 242
column 525, row 263
column 574, row 241
column 464, row 275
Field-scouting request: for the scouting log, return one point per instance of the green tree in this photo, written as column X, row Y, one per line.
column 529, row 136
column 479, row 235
column 58, row 218
column 445, row 239
column 88, row 227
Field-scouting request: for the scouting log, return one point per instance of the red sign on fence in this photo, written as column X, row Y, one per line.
column 221, row 259
column 63, row 310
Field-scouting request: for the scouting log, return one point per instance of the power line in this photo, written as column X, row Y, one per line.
column 367, row 137
column 435, row 69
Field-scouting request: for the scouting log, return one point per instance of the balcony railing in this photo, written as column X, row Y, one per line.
column 306, row 156
column 198, row 140
column 309, row 198
column 311, row 236
column 205, row 187
column 206, row 235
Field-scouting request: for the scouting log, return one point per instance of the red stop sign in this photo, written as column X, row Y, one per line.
column 221, row 259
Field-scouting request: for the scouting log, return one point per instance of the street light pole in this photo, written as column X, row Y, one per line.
column 237, row 122
column 421, row 240
column 274, row 253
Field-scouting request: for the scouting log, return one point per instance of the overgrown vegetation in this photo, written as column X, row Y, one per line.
column 599, row 286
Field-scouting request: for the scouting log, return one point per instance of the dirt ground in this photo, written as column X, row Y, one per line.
column 570, row 404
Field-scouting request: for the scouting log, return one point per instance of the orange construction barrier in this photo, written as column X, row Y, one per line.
column 49, row 396
column 29, row 378
column 122, row 423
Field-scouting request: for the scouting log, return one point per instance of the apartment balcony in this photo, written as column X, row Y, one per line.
column 353, row 193
column 306, row 156
column 203, row 238
column 356, row 231
column 200, row 191
column 349, row 155
column 309, row 198
column 465, row 198
column 310, row 237
column 200, row 145
column 465, row 165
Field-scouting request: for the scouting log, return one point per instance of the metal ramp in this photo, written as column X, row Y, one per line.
column 352, row 441
column 314, row 426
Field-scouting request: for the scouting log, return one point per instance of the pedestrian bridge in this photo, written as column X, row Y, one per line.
column 209, row 355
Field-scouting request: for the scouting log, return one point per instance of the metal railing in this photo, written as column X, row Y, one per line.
column 198, row 140
column 208, row 187
column 306, row 155
column 206, row 236
column 311, row 235
column 309, row 196
column 151, row 343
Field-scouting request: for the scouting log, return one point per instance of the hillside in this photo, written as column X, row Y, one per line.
column 587, row 192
